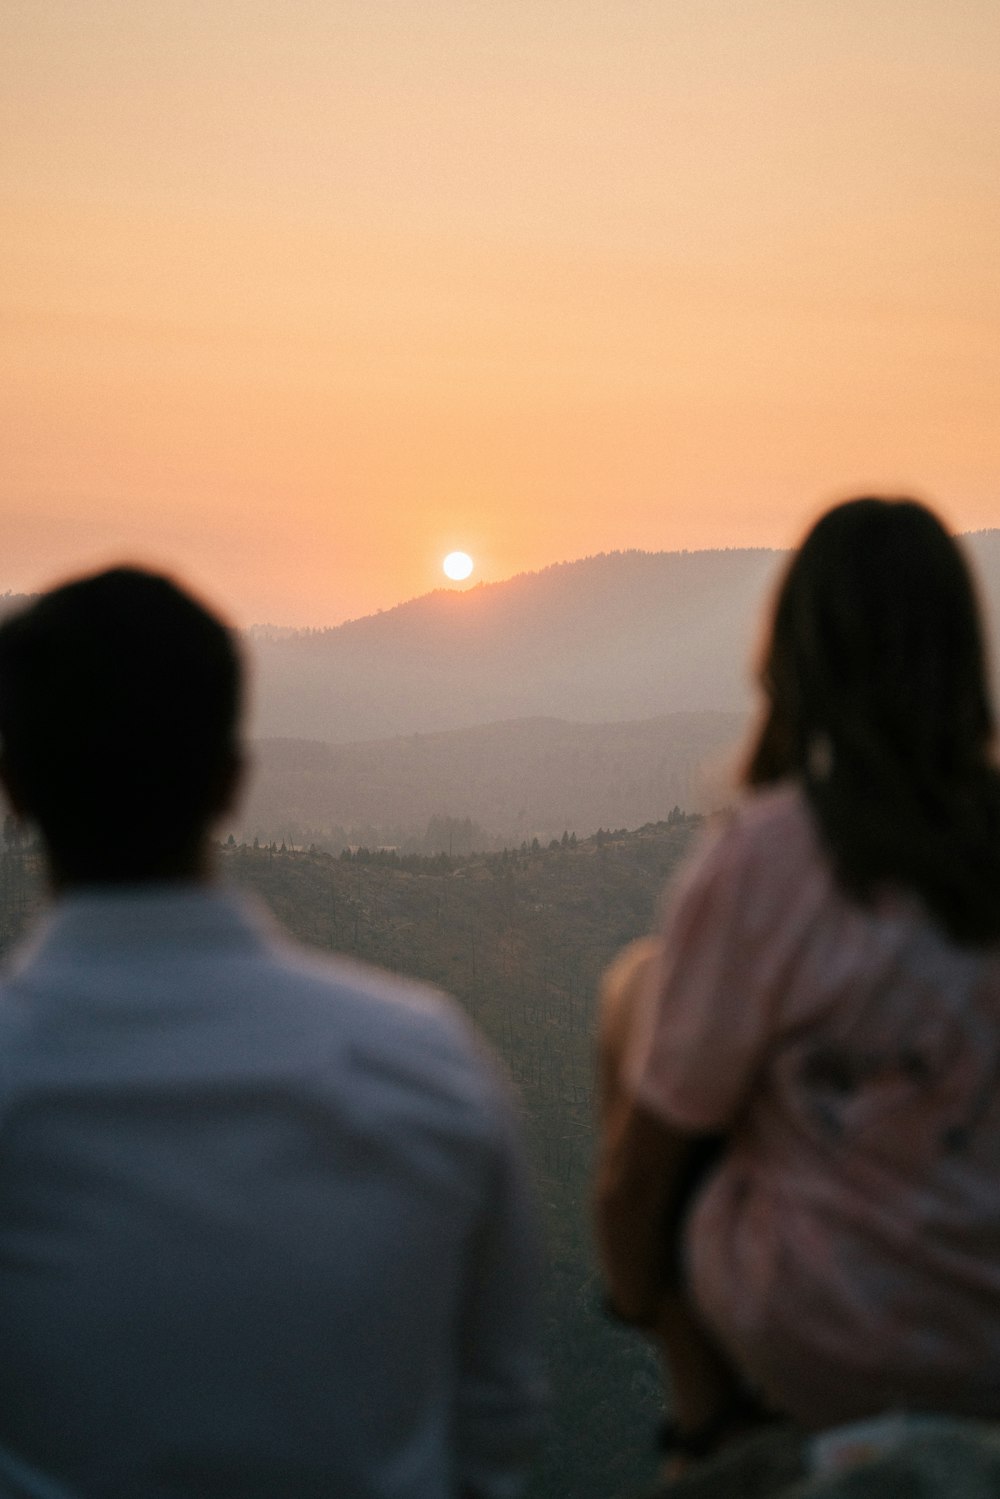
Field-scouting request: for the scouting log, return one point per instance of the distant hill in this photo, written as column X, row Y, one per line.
column 521, row 941
column 469, row 789
column 621, row 636
column 627, row 635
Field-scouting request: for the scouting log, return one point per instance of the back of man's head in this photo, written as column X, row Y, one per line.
column 119, row 708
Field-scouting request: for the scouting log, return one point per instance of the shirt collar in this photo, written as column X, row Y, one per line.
column 127, row 922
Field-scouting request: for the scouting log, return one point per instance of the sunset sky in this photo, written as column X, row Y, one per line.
column 297, row 297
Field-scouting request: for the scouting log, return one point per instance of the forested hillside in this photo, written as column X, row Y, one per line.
column 520, row 937
column 482, row 787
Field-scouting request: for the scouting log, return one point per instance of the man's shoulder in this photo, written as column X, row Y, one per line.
column 397, row 1055
column 357, row 997
column 209, row 983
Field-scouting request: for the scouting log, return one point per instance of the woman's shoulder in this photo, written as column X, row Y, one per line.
column 760, row 866
column 756, row 862
column 770, row 824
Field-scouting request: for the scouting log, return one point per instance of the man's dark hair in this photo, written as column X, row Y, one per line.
column 877, row 701
column 119, row 707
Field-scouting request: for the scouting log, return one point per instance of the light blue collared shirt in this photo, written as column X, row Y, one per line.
column 264, row 1228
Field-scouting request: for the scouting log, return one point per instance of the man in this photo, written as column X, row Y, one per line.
column 263, row 1228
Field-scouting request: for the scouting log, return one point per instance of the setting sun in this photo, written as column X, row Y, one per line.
column 457, row 566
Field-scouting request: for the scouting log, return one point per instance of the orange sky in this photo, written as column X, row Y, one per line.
column 299, row 295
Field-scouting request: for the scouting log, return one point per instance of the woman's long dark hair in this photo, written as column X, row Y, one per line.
column 877, row 701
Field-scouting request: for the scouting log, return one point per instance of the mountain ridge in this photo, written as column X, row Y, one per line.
column 405, row 607
column 619, row 636
column 502, row 589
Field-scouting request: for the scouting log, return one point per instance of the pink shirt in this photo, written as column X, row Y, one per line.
column 847, row 1251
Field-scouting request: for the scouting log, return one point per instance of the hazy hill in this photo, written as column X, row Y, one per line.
column 625, row 635
column 622, row 636
column 477, row 788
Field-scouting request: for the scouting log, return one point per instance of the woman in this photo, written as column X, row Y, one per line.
column 820, row 1018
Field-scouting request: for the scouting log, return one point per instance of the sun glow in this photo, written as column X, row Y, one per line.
column 457, row 566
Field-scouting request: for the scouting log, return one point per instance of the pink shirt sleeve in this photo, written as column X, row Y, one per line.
column 702, row 1025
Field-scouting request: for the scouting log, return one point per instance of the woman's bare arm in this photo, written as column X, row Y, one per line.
column 642, row 1162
